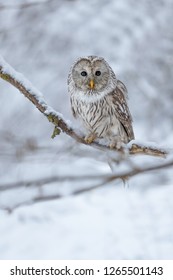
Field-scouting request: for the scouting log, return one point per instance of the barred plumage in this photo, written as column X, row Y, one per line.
column 99, row 100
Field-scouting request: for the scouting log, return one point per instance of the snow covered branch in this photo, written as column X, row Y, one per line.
column 11, row 76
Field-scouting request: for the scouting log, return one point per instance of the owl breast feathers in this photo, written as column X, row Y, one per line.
column 99, row 101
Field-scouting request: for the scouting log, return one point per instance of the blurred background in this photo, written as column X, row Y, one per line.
column 41, row 39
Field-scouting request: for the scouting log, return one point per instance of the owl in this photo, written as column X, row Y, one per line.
column 99, row 101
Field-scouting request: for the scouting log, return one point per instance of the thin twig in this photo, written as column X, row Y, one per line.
column 105, row 179
column 48, row 180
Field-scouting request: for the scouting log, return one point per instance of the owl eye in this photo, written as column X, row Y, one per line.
column 83, row 73
column 98, row 73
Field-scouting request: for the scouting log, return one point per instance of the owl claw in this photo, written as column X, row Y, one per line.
column 90, row 138
column 116, row 145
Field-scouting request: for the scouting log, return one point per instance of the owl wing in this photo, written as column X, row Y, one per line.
column 119, row 96
column 73, row 112
column 73, row 108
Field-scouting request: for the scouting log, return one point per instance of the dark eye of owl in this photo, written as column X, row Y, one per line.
column 98, row 73
column 83, row 73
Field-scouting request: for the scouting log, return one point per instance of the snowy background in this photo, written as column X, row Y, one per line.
column 42, row 40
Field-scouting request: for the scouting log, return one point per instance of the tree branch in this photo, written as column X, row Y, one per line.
column 103, row 180
column 100, row 177
column 11, row 76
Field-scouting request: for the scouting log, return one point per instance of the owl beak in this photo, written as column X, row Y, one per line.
column 91, row 84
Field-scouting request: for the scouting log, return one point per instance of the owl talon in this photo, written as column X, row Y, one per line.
column 90, row 138
column 116, row 145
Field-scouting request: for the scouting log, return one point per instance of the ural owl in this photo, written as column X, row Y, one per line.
column 99, row 100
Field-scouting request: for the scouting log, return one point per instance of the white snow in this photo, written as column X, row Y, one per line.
column 110, row 222
column 7, row 69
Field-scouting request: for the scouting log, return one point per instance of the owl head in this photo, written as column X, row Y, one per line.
column 91, row 75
